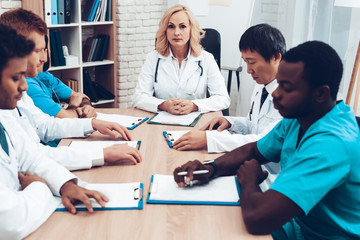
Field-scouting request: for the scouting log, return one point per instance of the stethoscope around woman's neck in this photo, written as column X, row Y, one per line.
column 157, row 67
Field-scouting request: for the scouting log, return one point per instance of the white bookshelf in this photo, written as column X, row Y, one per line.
column 73, row 35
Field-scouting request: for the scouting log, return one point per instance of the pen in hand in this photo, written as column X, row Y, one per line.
column 196, row 172
column 193, row 182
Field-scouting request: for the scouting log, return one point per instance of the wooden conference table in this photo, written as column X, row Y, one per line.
column 155, row 221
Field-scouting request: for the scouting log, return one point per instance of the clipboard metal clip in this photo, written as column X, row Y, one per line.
column 138, row 193
column 140, row 120
column 169, row 137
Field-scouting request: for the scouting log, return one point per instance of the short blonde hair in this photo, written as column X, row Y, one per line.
column 196, row 33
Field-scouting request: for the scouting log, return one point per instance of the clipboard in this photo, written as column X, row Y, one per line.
column 175, row 120
column 130, row 122
column 122, row 196
column 177, row 195
column 172, row 136
column 103, row 144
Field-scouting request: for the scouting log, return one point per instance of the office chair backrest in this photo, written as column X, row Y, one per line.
column 212, row 43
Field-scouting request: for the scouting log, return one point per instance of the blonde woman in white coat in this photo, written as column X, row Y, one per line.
column 178, row 74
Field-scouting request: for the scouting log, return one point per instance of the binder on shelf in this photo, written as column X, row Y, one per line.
column 122, row 196
column 108, row 11
column 87, row 48
column 165, row 118
column 61, row 11
column 54, row 12
column 59, row 48
column 104, row 46
column 53, row 49
column 92, row 50
column 89, row 89
column 219, row 191
column 97, row 48
column 67, row 11
column 130, row 122
column 47, row 9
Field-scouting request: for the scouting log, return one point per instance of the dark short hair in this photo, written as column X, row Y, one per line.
column 12, row 45
column 264, row 39
column 322, row 65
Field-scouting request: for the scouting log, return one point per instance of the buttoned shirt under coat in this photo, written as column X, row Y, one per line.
column 23, row 211
column 190, row 86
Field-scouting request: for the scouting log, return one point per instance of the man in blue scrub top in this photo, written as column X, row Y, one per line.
column 316, row 195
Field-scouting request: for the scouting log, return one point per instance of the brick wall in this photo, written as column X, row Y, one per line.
column 138, row 22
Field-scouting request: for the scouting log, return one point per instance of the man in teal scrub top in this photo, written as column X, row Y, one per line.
column 316, row 195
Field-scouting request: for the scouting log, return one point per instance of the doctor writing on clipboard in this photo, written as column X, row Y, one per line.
column 178, row 74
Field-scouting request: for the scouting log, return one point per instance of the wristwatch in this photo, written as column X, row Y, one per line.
column 213, row 164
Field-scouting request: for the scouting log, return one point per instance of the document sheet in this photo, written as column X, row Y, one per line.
column 124, row 120
column 168, row 118
column 120, row 195
column 222, row 189
column 102, row 144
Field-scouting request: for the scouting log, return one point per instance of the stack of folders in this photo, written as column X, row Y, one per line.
column 57, row 11
column 57, row 53
column 97, row 10
column 95, row 48
column 94, row 90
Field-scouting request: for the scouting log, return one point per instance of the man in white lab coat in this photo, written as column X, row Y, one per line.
column 28, row 178
column 40, row 126
column 262, row 47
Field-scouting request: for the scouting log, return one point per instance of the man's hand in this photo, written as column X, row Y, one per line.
column 221, row 122
column 111, row 129
column 119, row 152
column 187, row 106
column 194, row 139
column 76, row 99
column 28, row 178
column 71, row 193
column 250, row 171
column 190, row 167
column 86, row 111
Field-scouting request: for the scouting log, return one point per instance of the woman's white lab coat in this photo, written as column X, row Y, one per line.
column 149, row 94
column 23, row 211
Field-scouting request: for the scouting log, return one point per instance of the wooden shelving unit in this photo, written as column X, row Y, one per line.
column 74, row 36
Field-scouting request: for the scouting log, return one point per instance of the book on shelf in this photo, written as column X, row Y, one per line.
column 97, row 10
column 95, row 48
column 72, row 83
column 56, row 49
